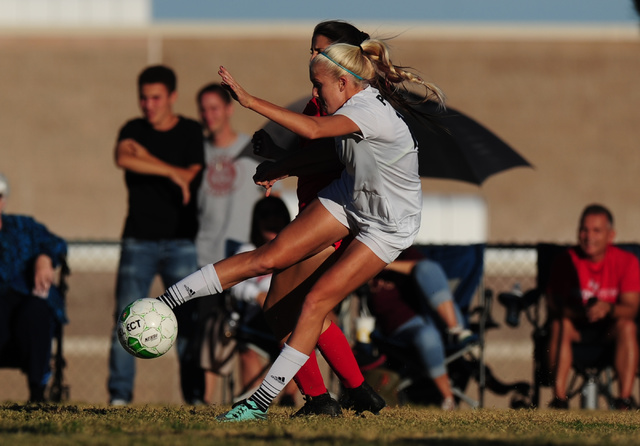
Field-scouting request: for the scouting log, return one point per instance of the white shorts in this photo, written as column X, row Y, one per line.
column 385, row 245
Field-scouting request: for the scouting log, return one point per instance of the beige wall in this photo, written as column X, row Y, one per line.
column 567, row 105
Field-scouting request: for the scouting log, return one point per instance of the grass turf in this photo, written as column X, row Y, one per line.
column 65, row 424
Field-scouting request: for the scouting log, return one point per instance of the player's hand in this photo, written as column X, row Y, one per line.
column 268, row 185
column 236, row 90
column 263, row 177
column 264, row 146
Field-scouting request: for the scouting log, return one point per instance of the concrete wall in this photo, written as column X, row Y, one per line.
column 566, row 103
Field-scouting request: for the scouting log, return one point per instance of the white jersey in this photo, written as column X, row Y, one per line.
column 380, row 189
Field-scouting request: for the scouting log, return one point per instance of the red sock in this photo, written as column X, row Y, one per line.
column 309, row 378
column 336, row 350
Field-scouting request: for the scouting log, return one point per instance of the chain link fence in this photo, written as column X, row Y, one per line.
column 90, row 306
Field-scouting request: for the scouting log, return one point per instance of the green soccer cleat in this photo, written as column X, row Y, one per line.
column 245, row 410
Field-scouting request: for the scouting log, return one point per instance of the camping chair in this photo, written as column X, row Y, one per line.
column 227, row 329
column 592, row 370
column 57, row 390
column 464, row 266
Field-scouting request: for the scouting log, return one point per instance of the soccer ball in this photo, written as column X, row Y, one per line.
column 147, row 328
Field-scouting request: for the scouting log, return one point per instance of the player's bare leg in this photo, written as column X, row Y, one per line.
column 310, row 233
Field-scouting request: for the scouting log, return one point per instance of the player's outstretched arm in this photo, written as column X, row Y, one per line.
column 310, row 127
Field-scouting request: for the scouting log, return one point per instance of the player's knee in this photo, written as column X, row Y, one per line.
column 316, row 304
column 273, row 257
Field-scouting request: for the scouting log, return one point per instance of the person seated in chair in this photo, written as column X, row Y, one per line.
column 593, row 295
column 410, row 300
column 270, row 215
column 29, row 254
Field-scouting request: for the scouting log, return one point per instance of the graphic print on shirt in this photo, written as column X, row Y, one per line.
column 592, row 289
column 222, row 175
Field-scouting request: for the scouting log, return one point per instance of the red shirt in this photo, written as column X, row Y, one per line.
column 393, row 299
column 578, row 279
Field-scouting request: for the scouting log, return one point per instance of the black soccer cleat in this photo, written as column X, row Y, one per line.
column 362, row 398
column 624, row 404
column 319, row 405
column 559, row 403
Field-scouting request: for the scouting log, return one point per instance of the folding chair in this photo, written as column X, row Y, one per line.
column 57, row 390
column 464, row 266
column 592, row 370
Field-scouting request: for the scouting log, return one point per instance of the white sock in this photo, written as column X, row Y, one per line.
column 203, row 282
column 279, row 375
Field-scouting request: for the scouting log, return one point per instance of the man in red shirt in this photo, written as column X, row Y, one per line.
column 594, row 294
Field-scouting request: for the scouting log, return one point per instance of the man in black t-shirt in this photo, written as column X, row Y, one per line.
column 162, row 157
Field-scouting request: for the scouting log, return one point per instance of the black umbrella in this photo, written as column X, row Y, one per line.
column 458, row 149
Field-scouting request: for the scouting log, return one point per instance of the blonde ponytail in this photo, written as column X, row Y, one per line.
column 370, row 63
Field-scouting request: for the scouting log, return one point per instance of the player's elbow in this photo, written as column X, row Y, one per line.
column 312, row 132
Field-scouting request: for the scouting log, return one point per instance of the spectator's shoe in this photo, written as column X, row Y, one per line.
column 559, row 403
column 196, row 402
column 118, row 402
column 624, row 404
column 448, row 404
column 36, row 394
column 361, row 399
column 245, row 410
column 319, row 405
column 458, row 335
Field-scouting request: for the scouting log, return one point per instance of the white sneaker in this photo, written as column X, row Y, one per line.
column 118, row 402
column 448, row 404
column 458, row 335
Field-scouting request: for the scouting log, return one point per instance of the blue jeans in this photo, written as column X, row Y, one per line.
column 434, row 288
column 140, row 261
column 423, row 331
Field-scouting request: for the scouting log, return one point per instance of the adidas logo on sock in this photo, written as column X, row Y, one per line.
column 189, row 290
column 280, row 379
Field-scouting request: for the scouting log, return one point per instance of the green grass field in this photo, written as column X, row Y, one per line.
column 50, row 425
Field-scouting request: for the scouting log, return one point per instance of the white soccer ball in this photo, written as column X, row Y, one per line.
column 147, row 328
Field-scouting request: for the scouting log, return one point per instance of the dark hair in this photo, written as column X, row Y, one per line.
column 264, row 209
column 214, row 88
column 596, row 209
column 158, row 74
column 339, row 31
